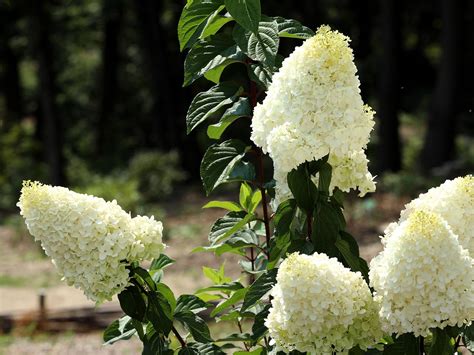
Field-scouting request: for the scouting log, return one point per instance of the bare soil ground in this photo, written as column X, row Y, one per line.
column 24, row 272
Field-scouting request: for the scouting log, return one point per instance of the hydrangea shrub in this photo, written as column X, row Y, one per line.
column 304, row 288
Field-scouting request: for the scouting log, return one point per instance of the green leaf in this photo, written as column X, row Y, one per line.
column 202, row 349
column 243, row 238
column 325, row 173
column 242, row 171
column 154, row 343
column 254, row 201
column 216, row 275
column 259, row 288
column 278, row 248
column 132, row 302
column 261, row 46
column 190, row 303
column 214, row 24
column 196, row 16
column 245, row 195
column 229, row 224
column 302, row 188
column 195, row 325
column 210, row 53
column 349, row 249
column 219, row 249
column 236, row 337
column 232, row 300
column 227, row 205
column 120, row 329
column 258, row 328
column 145, row 276
column 227, row 287
column 284, row 216
column 168, row 295
column 441, row 343
column 261, row 74
column 246, row 13
column 259, row 351
column 292, row 28
column 241, row 108
column 326, row 227
column 161, row 262
column 208, row 104
column 160, row 313
column 218, row 162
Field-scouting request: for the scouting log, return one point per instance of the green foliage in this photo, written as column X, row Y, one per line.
column 218, row 162
column 17, row 161
column 157, row 174
column 247, row 13
column 149, row 178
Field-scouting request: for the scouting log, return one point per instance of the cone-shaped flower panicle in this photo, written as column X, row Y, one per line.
column 321, row 307
column 89, row 240
column 423, row 278
column 313, row 108
column 454, row 202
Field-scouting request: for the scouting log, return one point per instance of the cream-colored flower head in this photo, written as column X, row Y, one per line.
column 321, row 307
column 314, row 108
column 453, row 201
column 89, row 240
column 423, row 278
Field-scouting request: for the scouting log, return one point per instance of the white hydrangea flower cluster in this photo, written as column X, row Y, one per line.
column 88, row 239
column 423, row 278
column 314, row 108
column 321, row 307
column 454, row 202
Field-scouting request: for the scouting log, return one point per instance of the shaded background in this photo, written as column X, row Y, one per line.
column 91, row 98
column 87, row 85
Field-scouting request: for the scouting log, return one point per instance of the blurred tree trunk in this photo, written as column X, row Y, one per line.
column 11, row 84
column 162, row 132
column 10, row 80
column 389, row 155
column 52, row 130
column 438, row 146
column 362, row 48
column 112, row 12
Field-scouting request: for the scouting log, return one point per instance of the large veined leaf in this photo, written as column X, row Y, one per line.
column 201, row 349
column 226, row 226
column 241, row 108
column 302, row 188
column 120, row 329
column 132, row 303
column 190, row 303
column 261, row 74
column 160, row 313
column 350, row 254
column 292, row 28
column 237, row 296
column 258, row 328
column 210, row 53
column 261, row 46
column 209, row 103
column 247, row 13
column 214, row 24
column 259, row 288
column 195, row 17
column 326, row 228
column 196, row 326
column 218, row 162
